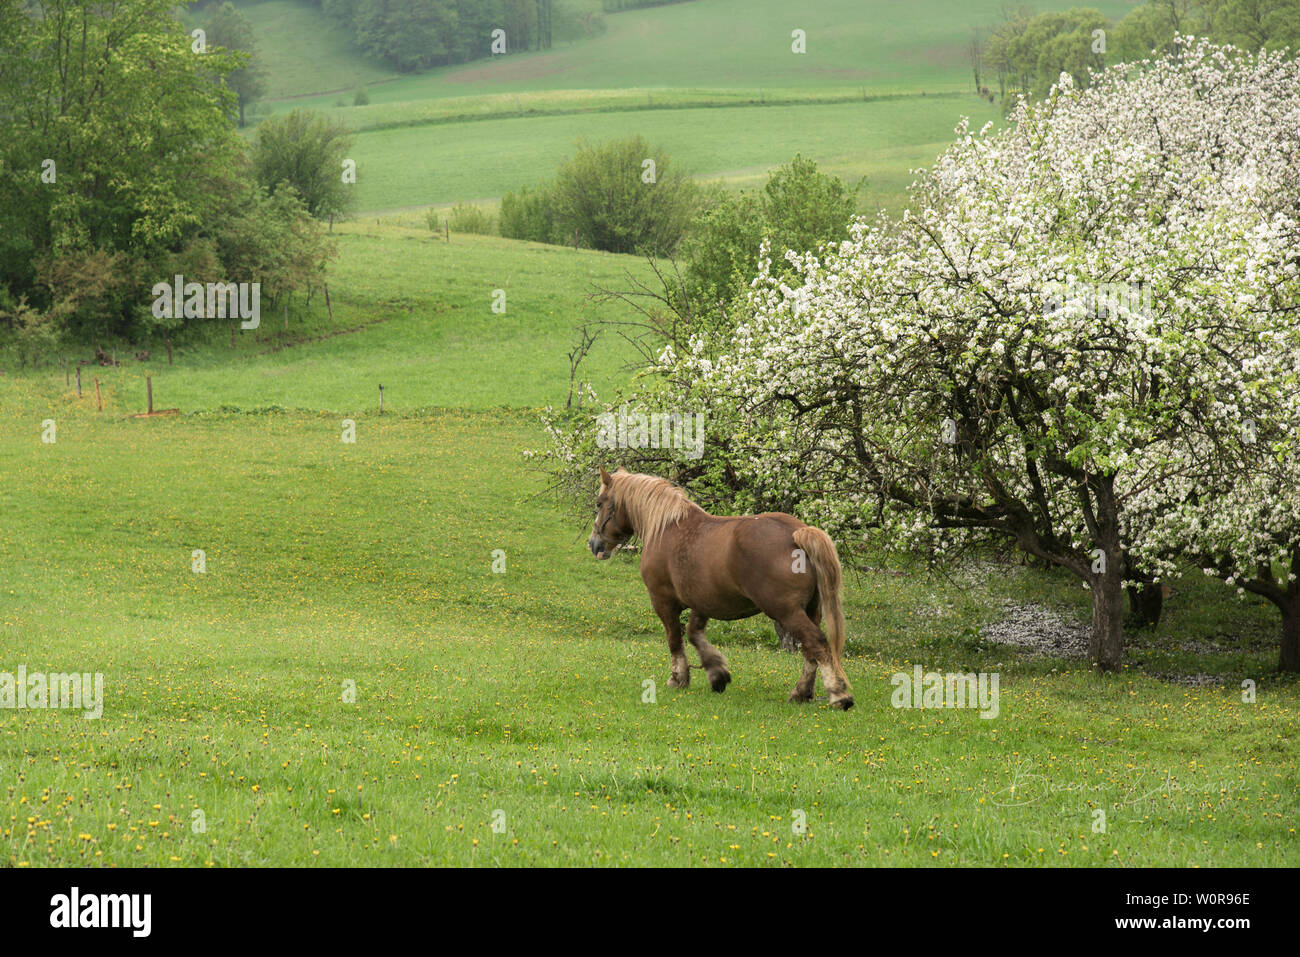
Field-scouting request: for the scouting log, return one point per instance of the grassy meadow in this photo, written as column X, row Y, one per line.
column 304, row 52
column 444, row 163
column 350, row 681
column 883, row 46
column 412, row 313
column 518, row 699
column 714, row 82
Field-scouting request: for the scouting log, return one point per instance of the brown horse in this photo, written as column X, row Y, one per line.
column 728, row 568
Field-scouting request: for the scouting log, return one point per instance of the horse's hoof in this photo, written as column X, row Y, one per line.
column 844, row 704
column 684, row 682
column 720, row 681
column 797, row 698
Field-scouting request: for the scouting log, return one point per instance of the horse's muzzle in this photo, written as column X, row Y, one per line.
column 598, row 547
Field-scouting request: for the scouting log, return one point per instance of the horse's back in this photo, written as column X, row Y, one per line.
column 731, row 567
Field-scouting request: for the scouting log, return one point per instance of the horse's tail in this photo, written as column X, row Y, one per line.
column 819, row 548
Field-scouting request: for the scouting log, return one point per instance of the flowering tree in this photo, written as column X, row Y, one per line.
column 1239, row 519
column 1029, row 351
column 1235, row 509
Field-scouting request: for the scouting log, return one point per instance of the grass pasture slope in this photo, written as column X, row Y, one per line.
column 521, row 692
column 409, row 166
column 714, row 81
column 411, row 313
column 306, row 54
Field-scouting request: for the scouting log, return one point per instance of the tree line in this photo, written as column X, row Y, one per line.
column 121, row 166
column 412, row 35
column 1026, row 52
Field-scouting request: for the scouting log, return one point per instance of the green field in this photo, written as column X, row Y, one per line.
column 883, row 46
column 714, row 82
column 305, row 53
column 446, row 163
column 411, row 313
column 522, row 692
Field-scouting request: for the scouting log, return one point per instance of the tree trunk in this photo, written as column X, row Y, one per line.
column 1289, row 660
column 1287, row 601
column 1145, row 601
column 1106, row 643
column 1101, row 512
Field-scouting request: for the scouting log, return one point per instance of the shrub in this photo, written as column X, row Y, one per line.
column 806, row 208
column 305, row 150
column 468, row 218
column 604, row 195
column 530, row 215
column 720, row 252
column 799, row 209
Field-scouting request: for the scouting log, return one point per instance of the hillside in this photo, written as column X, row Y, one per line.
column 713, row 81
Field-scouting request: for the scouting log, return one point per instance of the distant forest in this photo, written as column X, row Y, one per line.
column 413, row 35
column 1026, row 53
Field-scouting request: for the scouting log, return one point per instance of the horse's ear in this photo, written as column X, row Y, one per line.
column 604, row 477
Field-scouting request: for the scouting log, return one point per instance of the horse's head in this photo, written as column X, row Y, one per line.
column 612, row 527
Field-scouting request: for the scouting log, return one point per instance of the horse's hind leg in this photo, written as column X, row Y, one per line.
column 817, row 657
column 805, row 686
column 670, row 613
column 715, row 665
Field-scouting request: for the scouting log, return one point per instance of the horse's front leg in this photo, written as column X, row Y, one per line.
column 803, row 688
column 715, row 665
column 670, row 613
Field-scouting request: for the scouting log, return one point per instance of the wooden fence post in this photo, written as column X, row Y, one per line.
column 148, row 384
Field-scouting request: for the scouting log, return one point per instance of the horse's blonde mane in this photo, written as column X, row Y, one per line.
column 652, row 503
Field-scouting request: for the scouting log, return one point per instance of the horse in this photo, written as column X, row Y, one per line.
column 727, row 567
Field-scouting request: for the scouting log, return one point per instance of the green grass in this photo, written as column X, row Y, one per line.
column 522, row 692
column 381, row 114
column 305, row 52
column 685, row 76
column 446, row 163
column 412, row 313
column 882, row 46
